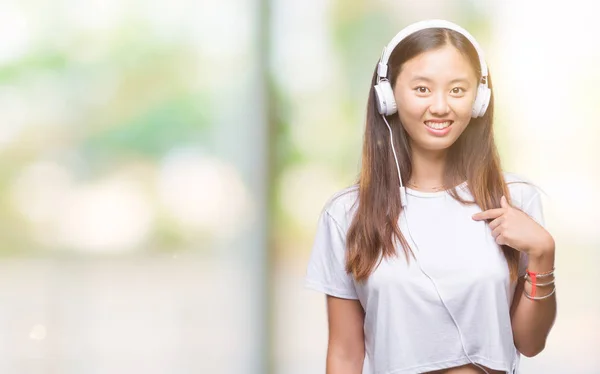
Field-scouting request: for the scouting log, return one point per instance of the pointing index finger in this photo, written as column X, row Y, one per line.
column 488, row 214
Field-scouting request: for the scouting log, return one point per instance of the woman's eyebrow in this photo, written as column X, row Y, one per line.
column 426, row 79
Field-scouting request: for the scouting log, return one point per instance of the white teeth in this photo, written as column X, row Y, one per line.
column 438, row 125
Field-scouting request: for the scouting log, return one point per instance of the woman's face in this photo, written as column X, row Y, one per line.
column 435, row 92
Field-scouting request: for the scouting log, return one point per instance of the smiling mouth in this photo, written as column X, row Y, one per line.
column 438, row 125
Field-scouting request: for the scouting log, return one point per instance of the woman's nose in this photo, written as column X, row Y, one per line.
column 439, row 105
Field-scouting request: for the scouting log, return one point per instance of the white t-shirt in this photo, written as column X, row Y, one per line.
column 407, row 329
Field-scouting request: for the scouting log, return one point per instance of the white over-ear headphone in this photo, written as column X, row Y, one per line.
column 386, row 104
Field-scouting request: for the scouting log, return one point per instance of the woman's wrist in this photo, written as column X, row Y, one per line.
column 541, row 260
column 542, row 252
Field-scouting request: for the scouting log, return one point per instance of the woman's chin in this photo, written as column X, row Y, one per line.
column 433, row 145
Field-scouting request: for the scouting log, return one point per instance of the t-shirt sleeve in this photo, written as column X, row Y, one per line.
column 533, row 208
column 326, row 267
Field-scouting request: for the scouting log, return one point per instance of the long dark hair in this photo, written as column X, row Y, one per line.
column 473, row 157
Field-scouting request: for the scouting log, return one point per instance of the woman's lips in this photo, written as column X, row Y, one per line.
column 438, row 128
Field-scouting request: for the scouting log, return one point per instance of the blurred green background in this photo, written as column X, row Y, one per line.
column 163, row 165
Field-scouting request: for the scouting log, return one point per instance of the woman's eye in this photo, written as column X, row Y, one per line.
column 458, row 90
column 422, row 89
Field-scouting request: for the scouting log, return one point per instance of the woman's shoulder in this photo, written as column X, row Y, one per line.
column 342, row 205
column 522, row 189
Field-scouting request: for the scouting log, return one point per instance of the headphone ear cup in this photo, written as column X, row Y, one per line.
column 481, row 101
column 486, row 101
column 386, row 103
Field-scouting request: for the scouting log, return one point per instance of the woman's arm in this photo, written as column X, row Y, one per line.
column 346, row 347
column 533, row 319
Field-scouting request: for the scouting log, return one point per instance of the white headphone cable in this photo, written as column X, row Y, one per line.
column 441, row 298
column 402, row 188
column 404, row 205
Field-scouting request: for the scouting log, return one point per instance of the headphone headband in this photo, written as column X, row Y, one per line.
column 382, row 67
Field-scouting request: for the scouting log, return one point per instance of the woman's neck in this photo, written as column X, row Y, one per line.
column 428, row 169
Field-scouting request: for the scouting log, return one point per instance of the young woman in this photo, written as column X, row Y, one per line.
column 453, row 273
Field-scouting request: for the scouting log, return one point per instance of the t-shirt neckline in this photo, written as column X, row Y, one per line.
column 417, row 193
